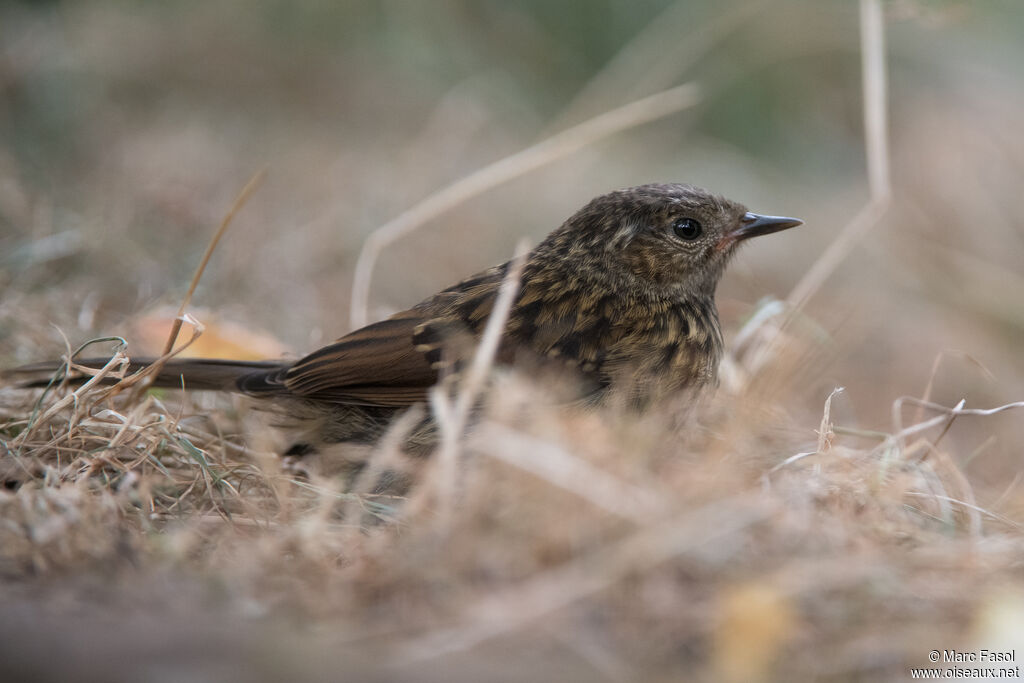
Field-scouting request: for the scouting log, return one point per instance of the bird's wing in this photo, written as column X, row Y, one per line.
column 376, row 365
column 395, row 361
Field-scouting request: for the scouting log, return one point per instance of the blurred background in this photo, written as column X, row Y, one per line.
column 128, row 128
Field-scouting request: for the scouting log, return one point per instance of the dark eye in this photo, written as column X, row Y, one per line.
column 687, row 229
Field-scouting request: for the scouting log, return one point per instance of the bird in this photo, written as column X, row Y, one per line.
column 620, row 297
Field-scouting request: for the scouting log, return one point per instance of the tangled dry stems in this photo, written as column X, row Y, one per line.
column 631, row 533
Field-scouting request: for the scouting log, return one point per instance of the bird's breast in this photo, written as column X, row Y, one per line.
column 653, row 347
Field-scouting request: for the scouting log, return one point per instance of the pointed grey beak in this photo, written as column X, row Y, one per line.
column 754, row 225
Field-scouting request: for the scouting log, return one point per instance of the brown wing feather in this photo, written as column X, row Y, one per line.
column 394, row 362
column 375, row 365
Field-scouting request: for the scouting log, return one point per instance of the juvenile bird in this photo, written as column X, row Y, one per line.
column 621, row 295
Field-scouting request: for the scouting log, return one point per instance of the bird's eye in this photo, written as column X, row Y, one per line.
column 687, row 229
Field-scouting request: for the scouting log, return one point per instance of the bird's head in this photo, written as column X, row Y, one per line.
column 671, row 240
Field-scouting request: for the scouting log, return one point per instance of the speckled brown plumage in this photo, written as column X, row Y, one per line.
column 621, row 295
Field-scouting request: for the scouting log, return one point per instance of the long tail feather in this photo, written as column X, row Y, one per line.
column 209, row 374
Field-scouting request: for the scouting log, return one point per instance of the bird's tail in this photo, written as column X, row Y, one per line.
column 210, row 374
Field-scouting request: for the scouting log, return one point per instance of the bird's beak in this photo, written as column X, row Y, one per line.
column 754, row 225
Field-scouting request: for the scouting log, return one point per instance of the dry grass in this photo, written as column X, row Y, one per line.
column 610, row 546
